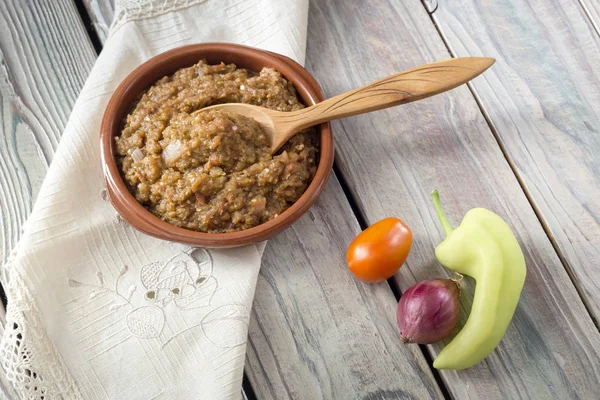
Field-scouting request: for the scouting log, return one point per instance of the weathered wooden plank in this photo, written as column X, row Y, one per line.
column 101, row 13
column 336, row 370
column 45, row 58
column 392, row 160
column 315, row 331
column 592, row 9
column 543, row 100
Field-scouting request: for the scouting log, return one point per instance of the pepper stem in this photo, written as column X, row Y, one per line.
column 458, row 278
column 440, row 212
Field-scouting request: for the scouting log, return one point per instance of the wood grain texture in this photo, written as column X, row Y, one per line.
column 45, row 57
column 592, row 9
column 316, row 332
column 292, row 360
column 392, row 159
column 543, row 101
column 101, row 12
column 403, row 87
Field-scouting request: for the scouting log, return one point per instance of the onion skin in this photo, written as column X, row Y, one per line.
column 428, row 311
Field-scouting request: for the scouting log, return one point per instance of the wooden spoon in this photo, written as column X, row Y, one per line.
column 404, row 87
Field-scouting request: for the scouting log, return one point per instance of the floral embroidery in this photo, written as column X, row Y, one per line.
column 218, row 321
column 146, row 322
column 186, row 281
column 100, row 288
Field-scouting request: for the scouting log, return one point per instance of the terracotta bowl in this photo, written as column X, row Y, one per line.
column 166, row 64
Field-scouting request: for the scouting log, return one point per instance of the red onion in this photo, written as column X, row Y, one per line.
column 259, row 204
column 428, row 311
column 200, row 199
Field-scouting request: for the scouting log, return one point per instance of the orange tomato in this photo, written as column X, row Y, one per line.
column 379, row 251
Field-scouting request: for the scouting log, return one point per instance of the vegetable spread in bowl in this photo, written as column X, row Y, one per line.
column 211, row 171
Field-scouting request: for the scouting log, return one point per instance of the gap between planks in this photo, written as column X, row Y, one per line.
column 590, row 12
column 388, row 172
column 248, row 392
column 362, row 222
column 514, row 169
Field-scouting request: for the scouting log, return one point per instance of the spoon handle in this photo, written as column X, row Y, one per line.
column 404, row 87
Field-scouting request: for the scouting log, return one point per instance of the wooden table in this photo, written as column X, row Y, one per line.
column 522, row 140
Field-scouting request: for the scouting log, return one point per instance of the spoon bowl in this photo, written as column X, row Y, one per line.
column 267, row 119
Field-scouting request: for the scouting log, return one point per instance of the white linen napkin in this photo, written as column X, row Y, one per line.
column 91, row 311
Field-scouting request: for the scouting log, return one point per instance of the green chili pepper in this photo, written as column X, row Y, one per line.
column 484, row 248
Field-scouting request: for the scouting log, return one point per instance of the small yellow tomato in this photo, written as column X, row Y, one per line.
column 379, row 251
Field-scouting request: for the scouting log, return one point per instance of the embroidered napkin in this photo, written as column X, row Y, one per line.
column 97, row 310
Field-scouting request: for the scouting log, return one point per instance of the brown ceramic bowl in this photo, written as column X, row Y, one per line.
column 166, row 64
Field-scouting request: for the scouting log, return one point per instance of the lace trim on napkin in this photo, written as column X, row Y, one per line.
column 28, row 357
column 129, row 10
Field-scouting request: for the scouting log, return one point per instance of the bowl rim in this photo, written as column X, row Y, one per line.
column 143, row 220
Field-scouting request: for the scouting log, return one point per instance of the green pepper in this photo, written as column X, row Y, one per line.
column 483, row 247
